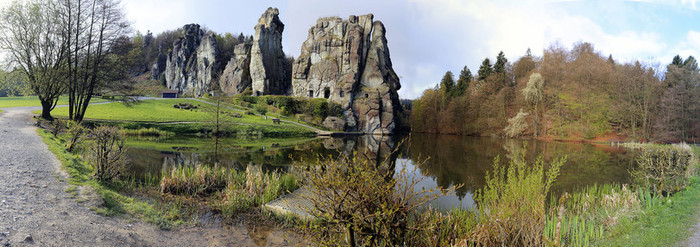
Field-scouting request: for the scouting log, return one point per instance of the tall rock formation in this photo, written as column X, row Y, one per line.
column 236, row 76
column 348, row 62
column 191, row 65
column 268, row 64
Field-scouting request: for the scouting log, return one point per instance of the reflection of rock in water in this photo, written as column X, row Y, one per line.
column 177, row 159
column 373, row 148
column 333, row 143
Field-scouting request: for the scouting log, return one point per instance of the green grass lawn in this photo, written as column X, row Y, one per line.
column 24, row 101
column 162, row 111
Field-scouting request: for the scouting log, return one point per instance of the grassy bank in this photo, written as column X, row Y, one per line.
column 664, row 221
column 511, row 207
column 661, row 223
column 25, row 101
column 161, row 115
column 165, row 215
column 177, row 196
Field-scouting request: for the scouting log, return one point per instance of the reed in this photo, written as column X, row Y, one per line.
column 253, row 188
column 147, row 132
column 199, row 180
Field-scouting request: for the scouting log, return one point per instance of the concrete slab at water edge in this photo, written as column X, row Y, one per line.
column 295, row 204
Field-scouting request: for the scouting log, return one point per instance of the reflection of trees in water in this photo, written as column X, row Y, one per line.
column 465, row 160
column 451, row 159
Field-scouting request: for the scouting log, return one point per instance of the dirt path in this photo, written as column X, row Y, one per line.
column 35, row 210
column 693, row 240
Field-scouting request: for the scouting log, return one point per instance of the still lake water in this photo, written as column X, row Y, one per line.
column 442, row 160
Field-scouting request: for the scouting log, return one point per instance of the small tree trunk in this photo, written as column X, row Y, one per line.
column 351, row 236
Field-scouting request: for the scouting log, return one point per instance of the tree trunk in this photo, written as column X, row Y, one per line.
column 46, row 110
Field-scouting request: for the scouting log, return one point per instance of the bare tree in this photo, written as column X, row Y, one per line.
column 90, row 28
column 31, row 35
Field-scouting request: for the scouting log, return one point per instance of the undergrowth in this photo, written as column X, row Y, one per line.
column 164, row 216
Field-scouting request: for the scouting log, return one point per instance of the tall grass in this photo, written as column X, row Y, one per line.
column 231, row 191
column 253, row 188
column 147, row 132
column 581, row 218
column 198, row 180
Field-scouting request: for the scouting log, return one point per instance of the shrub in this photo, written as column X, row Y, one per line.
column 512, row 203
column 261, row 109
column 75, row 134
column 365, row 204
column 516, row 124
column 57, row 126
column 664, row 169
column 107, row 152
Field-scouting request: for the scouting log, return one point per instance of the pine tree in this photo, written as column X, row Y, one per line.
column 447, row 85
column 677, row 60
column 500, row 66
column 485, row 70
column 465, row 77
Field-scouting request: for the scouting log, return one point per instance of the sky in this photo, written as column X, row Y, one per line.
column 429, row 37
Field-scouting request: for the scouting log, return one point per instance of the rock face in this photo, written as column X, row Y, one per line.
column 236, row 76
column 158, row 67
column 191, row 65
column 348, row 62
column 334, row 123
column 268, row 64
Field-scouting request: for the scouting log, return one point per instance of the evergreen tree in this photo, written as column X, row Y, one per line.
column 677, row 60
column 500, row 66
column 465, row 77
column 485, row 70
column 447, row 84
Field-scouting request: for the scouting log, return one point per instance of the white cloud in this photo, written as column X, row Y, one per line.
column 428, row 37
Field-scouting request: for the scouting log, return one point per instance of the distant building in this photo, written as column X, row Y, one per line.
column 169, row 93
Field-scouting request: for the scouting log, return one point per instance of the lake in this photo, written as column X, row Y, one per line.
column 442, row 160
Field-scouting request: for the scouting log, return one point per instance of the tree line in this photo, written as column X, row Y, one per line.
column 566, row 94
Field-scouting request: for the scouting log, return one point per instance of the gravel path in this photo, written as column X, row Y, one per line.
column 35, row 210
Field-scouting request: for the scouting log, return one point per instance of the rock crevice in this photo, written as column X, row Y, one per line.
column 192, row 64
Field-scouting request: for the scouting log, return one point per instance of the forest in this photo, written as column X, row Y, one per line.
column 576, row 94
